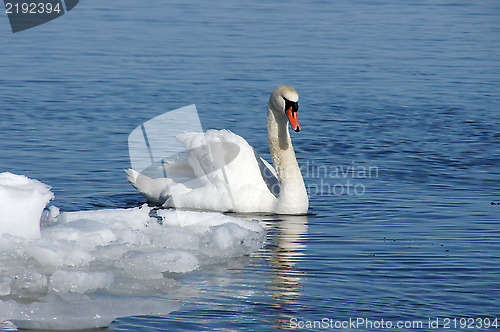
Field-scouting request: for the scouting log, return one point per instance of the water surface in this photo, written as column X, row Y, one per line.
column 408, row 90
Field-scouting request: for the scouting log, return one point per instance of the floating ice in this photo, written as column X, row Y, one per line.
column 84, row 269
column 22, row 201
column 70, row 312
column 65, row 281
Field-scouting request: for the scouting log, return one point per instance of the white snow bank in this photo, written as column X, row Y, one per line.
column 22, row 201
column 86, row 268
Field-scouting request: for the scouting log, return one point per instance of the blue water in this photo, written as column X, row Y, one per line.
column 399, row 106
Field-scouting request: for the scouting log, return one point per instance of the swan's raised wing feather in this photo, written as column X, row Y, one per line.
column 268, row 175
column 225, row 163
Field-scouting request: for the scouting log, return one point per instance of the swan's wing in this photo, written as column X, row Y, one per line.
column 219, row 171
column 229, row 170
column 178, row 167
column 268, row 175
column 154, row 190
column 174, row 167
column 208, row 153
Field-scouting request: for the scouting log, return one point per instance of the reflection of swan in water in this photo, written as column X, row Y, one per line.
column 287, row 234
column 237, row 180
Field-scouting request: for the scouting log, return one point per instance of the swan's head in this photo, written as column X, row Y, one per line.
column 284, row 99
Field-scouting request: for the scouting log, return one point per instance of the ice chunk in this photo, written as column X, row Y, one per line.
column 152, row 265
column 232, row 240
column 61, row 253
column 219, row 235
column 64, row 281
column 202, row 221
column 49, row 216
column 144, row 286
column 29, row 283
column 174, row 238
column 82, row 268
column 70, row 312
column 76, row 256
column 136, row 218
column 46, row 254
column 5, row 285
column 86, row 233
column 22, row 201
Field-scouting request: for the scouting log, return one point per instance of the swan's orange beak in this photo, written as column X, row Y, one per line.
column 292, row 117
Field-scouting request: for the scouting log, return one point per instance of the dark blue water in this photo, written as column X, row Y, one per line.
column 399, row 105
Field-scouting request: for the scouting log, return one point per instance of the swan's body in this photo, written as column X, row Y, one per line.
column 222, row 172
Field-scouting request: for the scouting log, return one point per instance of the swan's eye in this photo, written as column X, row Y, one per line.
column 293, row 104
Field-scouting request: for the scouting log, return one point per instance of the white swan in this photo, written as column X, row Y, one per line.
column 222, row 172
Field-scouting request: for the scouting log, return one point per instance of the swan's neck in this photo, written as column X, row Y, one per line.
column 293, row 195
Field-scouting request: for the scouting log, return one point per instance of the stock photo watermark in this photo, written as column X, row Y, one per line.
column 337, row 180
column 451, row 323
column 155, row 153
column 27, row 14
